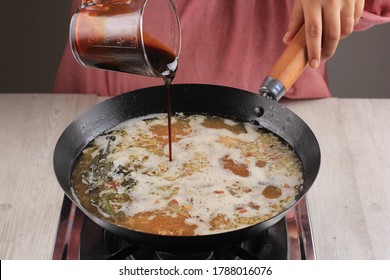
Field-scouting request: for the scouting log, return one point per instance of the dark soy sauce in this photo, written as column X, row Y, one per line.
column 169, row 74
column 168, row 82
column 165, row 62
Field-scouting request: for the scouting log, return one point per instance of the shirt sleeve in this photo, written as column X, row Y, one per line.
column 375, row 12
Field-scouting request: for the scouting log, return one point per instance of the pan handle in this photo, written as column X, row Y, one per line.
column 287, row 68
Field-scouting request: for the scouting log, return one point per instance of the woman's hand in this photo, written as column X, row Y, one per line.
column 326, row 23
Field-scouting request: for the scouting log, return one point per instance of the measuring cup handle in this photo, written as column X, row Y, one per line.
column 287, row 68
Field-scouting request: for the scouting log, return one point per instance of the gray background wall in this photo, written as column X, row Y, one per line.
column 361, row 64
column 34, row 33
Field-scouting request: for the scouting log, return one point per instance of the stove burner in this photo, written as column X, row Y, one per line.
column 189, row 256
column 78, row 237
column 98, row 243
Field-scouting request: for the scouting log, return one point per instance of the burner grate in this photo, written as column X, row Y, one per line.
column 78, row 237
column 98, row 243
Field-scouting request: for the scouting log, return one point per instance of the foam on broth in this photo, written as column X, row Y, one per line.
column 225, row 175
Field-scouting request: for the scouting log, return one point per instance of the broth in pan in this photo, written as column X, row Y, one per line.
column 225, row 175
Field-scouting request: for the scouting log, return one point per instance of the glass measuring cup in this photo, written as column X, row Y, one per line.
column 133, row 36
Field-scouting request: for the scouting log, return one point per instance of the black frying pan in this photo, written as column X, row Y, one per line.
column 189, row 99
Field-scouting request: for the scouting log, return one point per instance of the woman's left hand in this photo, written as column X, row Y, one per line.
column 326, row 23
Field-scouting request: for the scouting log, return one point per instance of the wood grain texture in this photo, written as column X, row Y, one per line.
column 31, row 197
column 292, row 62
column 349, row 201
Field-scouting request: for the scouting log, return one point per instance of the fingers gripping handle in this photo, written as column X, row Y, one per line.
column 287, row 68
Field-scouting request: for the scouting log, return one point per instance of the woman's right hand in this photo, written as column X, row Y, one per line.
column 326, row 22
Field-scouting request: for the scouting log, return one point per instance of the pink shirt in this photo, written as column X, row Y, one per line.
column 231, row 43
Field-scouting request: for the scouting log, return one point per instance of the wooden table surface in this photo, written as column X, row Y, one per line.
column 349, row 202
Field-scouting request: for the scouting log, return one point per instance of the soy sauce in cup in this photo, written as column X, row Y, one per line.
column 140, row 37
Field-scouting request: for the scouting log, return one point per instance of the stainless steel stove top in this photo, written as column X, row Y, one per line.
column 80, row 238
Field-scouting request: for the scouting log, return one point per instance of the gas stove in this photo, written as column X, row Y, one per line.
column 78, row 237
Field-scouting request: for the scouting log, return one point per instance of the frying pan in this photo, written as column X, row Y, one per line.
column 212, row 100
